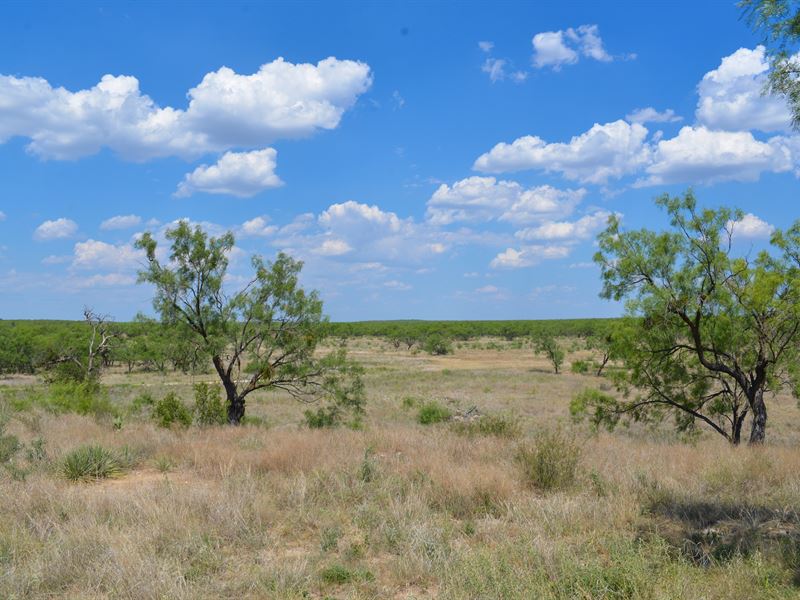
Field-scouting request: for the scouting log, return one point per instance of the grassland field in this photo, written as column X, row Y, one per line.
column 537, row 507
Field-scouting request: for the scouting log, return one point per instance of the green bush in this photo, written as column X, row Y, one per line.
column 145, row 399
column 65, row 372
column 86, row 398
column 169, row 410
column 551, row 462
column 208, row 406
column 339, row 574
column 9, row 444
column 320, row 418
column 496, row 425
column 437, row 345
column 580, row 366
column 432, row 412
column 92, row 462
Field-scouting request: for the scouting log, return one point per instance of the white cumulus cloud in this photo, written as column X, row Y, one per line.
column 226, row 110
column 607, row 151
column 242, row 174
column 95, row 254
column 700, row 155
column 565, row 47
column 651, row 115
column 57, row 229
column 750, row 227
column 259, row 226
column 121, row 222
column 583, row 228
column 333, row 247
column 731, row 96
column 480, row 199
column 528, row 256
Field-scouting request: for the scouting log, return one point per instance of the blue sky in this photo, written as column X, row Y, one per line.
column 425, row 160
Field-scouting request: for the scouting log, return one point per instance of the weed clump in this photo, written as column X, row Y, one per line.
column 432, row 412
column 208, row 406
column 551, row 462
column 92, row 462
column 169, row 410
column 495, row 425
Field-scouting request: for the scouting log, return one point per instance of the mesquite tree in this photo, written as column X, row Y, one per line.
column 263, row 336
column 709, row 333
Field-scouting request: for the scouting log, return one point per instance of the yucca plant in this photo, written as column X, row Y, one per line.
column 91, row 462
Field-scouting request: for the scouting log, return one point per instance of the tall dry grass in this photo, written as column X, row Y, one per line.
column 401, row 510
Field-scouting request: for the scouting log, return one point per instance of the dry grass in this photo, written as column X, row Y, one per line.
column 399, row 510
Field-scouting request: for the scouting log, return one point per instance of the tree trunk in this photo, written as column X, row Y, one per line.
column 758, row 431
column 235, row 400
column 235, row 410
column 736, row 433
column 603, row 364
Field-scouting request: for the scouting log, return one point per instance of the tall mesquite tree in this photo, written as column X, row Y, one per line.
column 264, row 336
column 709, row 334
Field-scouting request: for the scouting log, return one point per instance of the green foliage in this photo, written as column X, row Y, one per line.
column 437, row 345
column 411, row 330
column 551, row 462
column 145, row 399
column 92, row 462
column 601, row 409
column 581, row 367
column 368, row 470
column 409, row 402
column 263, row 336
column 208, row 407
column 708, row 333
column 9, row 444
column 432, row 412
column 339, row 574
column 83, row 398
column 170, row 411
column 496, row 425
column 779, row 21
column 547, row 345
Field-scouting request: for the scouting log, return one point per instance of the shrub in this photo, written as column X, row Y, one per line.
column 85, row 398
column 409, row 402
column 580, row 367
column 92, row 462
column 208, row 406
column 339, row 574
column 551, row 462
column 320, row 418
column 546, row 344
column 9, row 444
column 437, row 345
column 432, row 412
column 142, row 400
column 65, row 372
column 169, row 410
column 497, row 425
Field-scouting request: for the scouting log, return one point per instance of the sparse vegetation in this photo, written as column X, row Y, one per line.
column 171, row 411
column 92, row 462
column 432, row 412
column 551, row 461
column 510, row 499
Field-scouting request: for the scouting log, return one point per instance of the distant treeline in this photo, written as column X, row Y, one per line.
column 464, row 330
column 27, row 346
